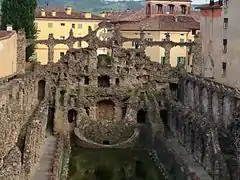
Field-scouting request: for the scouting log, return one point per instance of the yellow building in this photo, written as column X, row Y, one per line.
column 59, row 22
column 8, row 53
column 159, row 18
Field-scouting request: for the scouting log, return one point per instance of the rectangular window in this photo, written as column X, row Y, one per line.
column 61, row 54
column 79, row 26
column 225, row 23
column 149, row 39
column 73, row 26
column 224, row 67
column 181, row 60
column 163, row 60
column 50, row 25
column 62, row 37
column 224, row 46
column 62, row 24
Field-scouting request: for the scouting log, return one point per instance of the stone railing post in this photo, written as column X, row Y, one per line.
column 21, row 52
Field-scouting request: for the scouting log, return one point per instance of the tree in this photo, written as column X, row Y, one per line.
column 21, row 15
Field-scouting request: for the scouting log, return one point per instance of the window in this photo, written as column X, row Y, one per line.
column 73, row 26
column 61, row 54
column 149, row 39
column 183, row 9
column 62, row 37
column 86, row 80
column 50, row 25
column 224, row 67
column 224, row 46
column 79, row 26
column 171, row 8
column 163, row 60
column 181, row 60
column 159, row 8
column 225, row 23
column 62, row 24
column 135, row 44
column 226, row 3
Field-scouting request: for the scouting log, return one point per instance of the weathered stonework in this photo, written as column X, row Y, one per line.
column 121, row 100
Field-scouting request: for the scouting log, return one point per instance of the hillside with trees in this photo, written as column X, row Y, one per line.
column 95, row 6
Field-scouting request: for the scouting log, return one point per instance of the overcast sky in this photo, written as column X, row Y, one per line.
column 199, row 1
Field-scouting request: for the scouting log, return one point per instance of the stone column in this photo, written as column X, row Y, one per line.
column 167, row 54
column 21, row 52
column 50, row 53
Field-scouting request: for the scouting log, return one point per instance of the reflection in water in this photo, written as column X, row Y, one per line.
column 114, row 164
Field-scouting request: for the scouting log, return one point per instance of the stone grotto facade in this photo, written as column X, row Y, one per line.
column 123, row 100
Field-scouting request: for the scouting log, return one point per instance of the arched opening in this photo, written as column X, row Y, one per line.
column 72, row 116
column 148, row 10
column 141, row 116
column 50, row 120
column 41, row 90
column 174, row 89
column 183, row 9
column 117, row 81
column 106, row 142
column 164, row 116
column 103, row 81
column 86, row 80
column 170, row 8
column 61, row 99
column 203, row 149
column 159, row 8
column 87, row 110
column 105, row 110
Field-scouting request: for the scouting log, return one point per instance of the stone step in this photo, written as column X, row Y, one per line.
column 43, row 169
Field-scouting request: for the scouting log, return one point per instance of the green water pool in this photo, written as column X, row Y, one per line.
column 113, row 164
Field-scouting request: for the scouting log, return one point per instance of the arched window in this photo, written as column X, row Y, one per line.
column 171, row 8
column 148, row 10
column 41, row 90
column 159, row 8
column 183, row 9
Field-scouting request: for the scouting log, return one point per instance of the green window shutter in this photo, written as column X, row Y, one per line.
column 178, row 60
column 184, row 61
column 163, row 60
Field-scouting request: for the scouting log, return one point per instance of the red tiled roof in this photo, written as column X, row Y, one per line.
column 163, row 23
column 61, row 14
column 126, row 16
column 216, row 5
column 6, row 34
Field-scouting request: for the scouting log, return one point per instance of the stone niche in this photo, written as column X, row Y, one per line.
column 105, row 110
column 105, row 124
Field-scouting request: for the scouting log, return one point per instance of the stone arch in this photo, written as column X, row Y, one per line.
column 171, row 8
column 41, row 89
column 226, row 111
column 204, row 100
column 103, row 81
column 215, row 107
column 209, row 67
column 105, row 110
column 141, row 116
column 50, row 120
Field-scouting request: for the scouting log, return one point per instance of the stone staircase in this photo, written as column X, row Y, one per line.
column 44, row 168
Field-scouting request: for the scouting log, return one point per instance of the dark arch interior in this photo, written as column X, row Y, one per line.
column 164, row 116
column 103, row 81
column 50, row 120
column 72, row 116
column 141, row 116
column 41, row 90
column 61, row 99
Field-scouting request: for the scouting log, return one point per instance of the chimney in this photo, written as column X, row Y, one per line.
column 69, row 10
column 54, row 13
column 43, row 13
column 9, row 27
column 88, row 15
column 103, row 14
